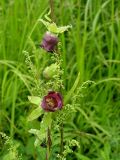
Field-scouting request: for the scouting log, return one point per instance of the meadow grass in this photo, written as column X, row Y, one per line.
column 90, row 48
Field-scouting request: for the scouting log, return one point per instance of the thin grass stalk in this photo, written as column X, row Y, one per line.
column 13, row 109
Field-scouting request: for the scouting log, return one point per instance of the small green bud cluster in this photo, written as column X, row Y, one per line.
column 68, row 149
column 50, row 71
column 12, row 153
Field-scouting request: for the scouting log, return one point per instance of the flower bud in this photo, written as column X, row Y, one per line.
column 50, row 71
column 49, row 42
column 52, row 102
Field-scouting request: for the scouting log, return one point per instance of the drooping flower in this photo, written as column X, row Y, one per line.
column 52, row 102
column 49, row 42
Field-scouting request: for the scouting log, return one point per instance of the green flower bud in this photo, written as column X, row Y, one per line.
column 50, row 71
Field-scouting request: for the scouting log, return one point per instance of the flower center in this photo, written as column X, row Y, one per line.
column 50, row 102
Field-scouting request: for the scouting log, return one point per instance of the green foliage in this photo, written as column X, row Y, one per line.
column 68, row 149
column 35, row 100
column 91, row 48
column 41, row 134
column 52, row 27
column 9, row 148
column 35, row 114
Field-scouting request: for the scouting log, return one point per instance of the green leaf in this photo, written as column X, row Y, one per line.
column 45, row 23
column 35, row 114
column 46, row 122
column 37, row 142
column 37, row 133
column 63, row 29
column 39, row 136
column 34, row 100
column 81, row 157
column 47, row 16
column 52, row 27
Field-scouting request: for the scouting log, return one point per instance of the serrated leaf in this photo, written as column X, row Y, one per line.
column 34, row 100
column 35, row 114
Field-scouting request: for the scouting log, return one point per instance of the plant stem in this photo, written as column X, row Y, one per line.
column 61, row 138
column 61, row 126
column 49, row 143
column 52, row 10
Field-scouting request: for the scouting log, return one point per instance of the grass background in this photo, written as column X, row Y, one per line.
column 91, row 47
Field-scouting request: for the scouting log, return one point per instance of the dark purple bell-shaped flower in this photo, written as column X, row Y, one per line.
column 49, row 42
column 52, row 102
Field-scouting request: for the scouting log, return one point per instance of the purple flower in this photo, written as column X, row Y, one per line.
column 52, row 102
column 49, row 42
